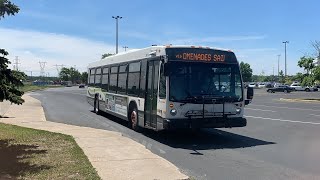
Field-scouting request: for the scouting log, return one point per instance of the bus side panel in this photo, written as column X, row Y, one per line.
column 161, row 112
column 117, row 104
column 91, row 91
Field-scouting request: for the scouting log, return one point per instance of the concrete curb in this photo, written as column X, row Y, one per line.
column 300, row 100
column 111, row 154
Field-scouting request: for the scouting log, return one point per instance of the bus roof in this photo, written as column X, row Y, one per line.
column 136, row 54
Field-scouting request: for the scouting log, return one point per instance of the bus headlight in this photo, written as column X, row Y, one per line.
column 173, row 112
column 238, row 110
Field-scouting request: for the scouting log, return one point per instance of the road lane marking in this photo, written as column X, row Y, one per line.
column 260, row 110
column 315, row 115
column 287, row 107
column 284, row 120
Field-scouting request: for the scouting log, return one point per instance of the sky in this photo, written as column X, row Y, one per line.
column 77, row 32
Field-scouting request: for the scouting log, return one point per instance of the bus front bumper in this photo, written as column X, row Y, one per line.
column 217, row 122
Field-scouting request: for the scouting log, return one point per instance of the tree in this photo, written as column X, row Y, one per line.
column 298, row 77
column 10, row 80
column 306, row 63
column 65, row 74
column 84, row 77
column 281, row 78
column 106, row 55
column 70, row 74
column 75, row 75
column 307, row 81
column 316, row 45
column 316, row 73
column 246, row 72
column 8, row 8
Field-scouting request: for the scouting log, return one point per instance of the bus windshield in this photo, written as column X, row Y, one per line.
column 189, row 80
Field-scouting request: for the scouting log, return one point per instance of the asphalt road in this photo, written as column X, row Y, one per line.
column 281, row 140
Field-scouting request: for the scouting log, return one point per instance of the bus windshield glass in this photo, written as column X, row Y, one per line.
column 188, row 80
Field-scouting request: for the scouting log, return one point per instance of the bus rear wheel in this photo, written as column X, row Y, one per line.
column 134, row 119
column 96, row 106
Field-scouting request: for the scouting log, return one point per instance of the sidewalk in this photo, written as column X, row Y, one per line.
column 111, row 154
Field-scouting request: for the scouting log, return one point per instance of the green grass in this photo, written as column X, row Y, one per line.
column 34, row 154
column 28, row 87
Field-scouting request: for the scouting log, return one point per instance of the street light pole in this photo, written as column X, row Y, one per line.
column 279, row 66
column 116, row 18
column 125, row 48
column 285, row 57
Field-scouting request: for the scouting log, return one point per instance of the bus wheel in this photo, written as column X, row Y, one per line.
column 96, row 106
column 133, row 121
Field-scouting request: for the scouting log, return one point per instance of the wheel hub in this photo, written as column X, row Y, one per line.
column 134, row 118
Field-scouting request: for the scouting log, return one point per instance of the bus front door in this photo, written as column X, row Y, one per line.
column 151, row 94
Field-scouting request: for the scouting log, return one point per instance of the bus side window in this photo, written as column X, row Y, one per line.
column 143, row 78
column 91, row 77
column 122, row 79
column 97, row 79
column 162, row 83
column 133, row 79
column 105, row 79
column 113, row 79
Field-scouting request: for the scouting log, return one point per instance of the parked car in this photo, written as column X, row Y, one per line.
column 253, row 85
column 82, row 86
column 262, row 85
column 298, row 87
column 281, row 88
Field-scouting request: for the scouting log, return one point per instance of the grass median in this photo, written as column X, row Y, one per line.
column 28, row 87
column 35, row 154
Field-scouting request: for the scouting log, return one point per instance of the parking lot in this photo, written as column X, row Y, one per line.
column 281, row 140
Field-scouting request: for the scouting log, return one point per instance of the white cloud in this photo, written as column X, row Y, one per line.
column 34, row 46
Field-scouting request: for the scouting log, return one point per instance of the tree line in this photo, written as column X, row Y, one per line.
column 72, row 74
column 310, row 77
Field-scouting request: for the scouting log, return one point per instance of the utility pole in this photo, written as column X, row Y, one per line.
column 285, row 57
column 116, row 18
column 125, row 48
column 42, row 66
column 16, row 67
column 279, row 66
column 57, row 67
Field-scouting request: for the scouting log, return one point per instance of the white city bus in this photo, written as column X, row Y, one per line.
column 170, row 87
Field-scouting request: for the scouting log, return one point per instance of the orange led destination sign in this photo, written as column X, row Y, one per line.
column 201, row 57
column 205, row 55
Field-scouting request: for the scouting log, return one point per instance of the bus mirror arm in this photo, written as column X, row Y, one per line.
column 166, row 69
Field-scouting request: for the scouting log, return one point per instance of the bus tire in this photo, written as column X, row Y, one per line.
column 96, row 105
column 134, row 119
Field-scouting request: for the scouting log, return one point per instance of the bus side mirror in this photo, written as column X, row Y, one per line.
column 249, row 95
